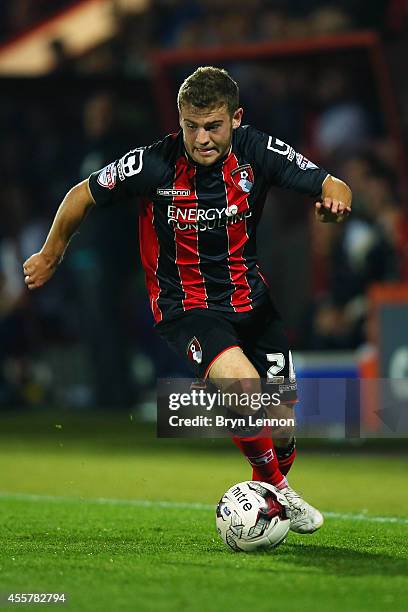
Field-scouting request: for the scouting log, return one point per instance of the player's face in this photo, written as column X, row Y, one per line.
column 207, row 132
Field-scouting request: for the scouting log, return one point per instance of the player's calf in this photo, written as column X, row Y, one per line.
column 281, row 419
column 286, row 453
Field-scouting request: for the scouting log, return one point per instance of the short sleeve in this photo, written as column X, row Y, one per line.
column 284, row 167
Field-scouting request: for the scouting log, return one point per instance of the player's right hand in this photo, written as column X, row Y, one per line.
column 38, row 269
column 331, row 210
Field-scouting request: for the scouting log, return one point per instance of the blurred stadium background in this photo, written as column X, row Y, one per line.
column 82, row 82
column 92, row 502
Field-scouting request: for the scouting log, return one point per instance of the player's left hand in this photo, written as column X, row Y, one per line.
column 332, row 211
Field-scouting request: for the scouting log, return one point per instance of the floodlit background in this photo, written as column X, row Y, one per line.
column 83, row 82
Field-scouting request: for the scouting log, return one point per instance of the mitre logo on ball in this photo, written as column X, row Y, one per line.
column 194, row 350
column 243, row 178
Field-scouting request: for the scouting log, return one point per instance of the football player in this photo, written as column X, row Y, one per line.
column 201, row 192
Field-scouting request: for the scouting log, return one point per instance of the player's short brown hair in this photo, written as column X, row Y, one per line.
column 209, row 87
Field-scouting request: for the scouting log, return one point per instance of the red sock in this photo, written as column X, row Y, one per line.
column 261, row 455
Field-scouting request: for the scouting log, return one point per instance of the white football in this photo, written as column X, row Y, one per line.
column 252, row 515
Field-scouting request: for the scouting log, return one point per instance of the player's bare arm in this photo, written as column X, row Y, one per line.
column 40, row 267
column 335, row 205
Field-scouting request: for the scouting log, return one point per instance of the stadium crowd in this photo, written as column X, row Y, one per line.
column 91, row 325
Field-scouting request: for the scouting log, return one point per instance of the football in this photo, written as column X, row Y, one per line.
column 252, row 516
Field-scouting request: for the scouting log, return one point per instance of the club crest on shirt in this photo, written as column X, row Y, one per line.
column 107, row 176
column 243, row 178
column 194, row 351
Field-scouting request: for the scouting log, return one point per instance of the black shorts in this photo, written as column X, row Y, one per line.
column 200, row 336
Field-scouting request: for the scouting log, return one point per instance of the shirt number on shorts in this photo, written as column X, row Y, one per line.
column 278, row 361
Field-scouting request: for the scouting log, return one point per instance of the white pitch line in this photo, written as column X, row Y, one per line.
column 366, row 517
column 109, row 501
column 147, row 503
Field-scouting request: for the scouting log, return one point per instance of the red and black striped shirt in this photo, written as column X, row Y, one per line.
column 198, row 223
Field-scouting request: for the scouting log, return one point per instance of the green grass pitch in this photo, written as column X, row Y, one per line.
column 121, row 521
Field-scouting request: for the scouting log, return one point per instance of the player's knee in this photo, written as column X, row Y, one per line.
column 241, row 395
column 250, row 386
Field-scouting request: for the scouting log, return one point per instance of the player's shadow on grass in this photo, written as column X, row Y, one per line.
column 305, row 559
column 343, row 561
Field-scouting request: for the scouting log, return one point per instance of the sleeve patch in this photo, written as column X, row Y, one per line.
column 107, row 177
column 278, row 146
column 130, row 164
column 304, row 163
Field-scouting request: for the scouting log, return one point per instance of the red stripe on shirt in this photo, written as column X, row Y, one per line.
column 186, row 239
column 149, row 253
column 237, row 238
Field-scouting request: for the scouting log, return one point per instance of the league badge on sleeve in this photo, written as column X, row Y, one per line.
column 107, row 177
column 304, row 163
column 243, row 178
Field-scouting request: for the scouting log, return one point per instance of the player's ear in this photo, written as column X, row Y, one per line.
column 237, row 118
